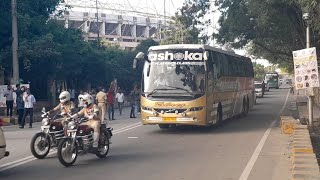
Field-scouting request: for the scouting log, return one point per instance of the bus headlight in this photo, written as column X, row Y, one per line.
column 196, row 109
column 184, row 114
column 45, row 122
column 155, row 113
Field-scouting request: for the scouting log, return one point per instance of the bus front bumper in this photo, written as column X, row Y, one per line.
column 153, row 120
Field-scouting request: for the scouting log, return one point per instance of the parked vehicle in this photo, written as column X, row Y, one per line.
column 3, row 152
column 48, row 137
column 258, row 89
column 79, row 140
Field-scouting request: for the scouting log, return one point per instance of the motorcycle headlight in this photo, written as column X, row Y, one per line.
column 45, row 122
column 71, row 125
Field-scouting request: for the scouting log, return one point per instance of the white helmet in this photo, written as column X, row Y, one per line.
column 64, row 96
column 87, row 100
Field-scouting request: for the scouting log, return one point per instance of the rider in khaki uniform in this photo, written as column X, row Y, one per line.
column 101, row 98
column 66, row 106
column 90, row 111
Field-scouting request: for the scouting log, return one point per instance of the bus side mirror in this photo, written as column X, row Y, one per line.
column 139, row 56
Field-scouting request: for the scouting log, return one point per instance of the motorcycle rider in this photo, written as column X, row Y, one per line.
column 90, row 111
column 66, row 106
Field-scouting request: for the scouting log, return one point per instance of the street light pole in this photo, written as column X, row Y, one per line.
column 309, row 95
column 98, row 24
column 15, row 62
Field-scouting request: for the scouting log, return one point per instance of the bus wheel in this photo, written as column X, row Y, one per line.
column 245, row 108
column 164, row 126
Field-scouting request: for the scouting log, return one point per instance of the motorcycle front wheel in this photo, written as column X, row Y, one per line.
column 103, row 146
column 66, row 155
column 40, row 145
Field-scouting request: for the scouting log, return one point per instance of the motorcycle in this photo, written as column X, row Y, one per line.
column 3, row 152
column 49, row 136
column 79, row 140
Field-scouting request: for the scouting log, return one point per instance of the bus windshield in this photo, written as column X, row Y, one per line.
column 174, row 75
column 272, row 77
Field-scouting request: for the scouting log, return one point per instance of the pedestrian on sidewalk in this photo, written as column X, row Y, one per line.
column 110, row 102
column 9, row 100
column 132, row 102
column 137, row 98
column 101, row 99
column 29, row 102
column 120, row 100
column 20, row 109
column 72, row 94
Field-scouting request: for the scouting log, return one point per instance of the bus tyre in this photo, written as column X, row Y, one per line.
column 164, row 126
column 245, row 108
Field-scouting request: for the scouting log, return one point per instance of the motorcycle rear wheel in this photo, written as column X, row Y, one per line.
column 63, row 148
column 44, row 144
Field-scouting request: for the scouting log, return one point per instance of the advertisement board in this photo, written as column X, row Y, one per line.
column 306, row 68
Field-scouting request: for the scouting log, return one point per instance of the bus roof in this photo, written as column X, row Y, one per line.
column 193, row 46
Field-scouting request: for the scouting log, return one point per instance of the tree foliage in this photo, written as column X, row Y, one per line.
column 185, row 26
column 259, row 71
column 48, row 51
column 270, row 29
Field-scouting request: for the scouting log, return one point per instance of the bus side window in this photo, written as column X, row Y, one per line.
column 217, row 66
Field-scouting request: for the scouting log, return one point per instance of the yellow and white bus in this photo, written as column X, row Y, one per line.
column 191, row 84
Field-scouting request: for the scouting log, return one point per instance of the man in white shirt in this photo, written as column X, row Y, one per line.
column 9, row 100
column 120, row 100
column 29, row 101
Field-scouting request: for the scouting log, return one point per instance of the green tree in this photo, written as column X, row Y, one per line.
column 185, row 26
column 259, row 71
column 145, row 45
column 270, row 29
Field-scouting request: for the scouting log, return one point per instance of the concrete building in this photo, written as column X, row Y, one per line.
column 127, row 31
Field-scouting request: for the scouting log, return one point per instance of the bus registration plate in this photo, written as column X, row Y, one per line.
column 169, row 118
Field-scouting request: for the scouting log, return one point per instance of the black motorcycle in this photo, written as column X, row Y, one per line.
column 79, row 140
column 48, row 137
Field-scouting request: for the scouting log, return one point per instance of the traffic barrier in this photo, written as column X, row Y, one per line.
column 288, row 124
column 304, row 161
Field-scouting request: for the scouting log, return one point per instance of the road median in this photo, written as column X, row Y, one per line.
column 304, row 162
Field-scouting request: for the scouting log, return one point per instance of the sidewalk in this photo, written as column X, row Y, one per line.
column 303, row 115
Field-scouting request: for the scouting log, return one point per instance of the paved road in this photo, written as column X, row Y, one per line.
column 239, row 149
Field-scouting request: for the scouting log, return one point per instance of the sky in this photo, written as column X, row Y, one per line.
column 155, row 7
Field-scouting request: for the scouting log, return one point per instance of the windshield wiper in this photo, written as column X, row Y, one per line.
column 181, row 89
column 155, row 90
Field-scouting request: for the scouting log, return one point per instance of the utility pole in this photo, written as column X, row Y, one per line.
column 98, row 23
column 15, row 62
column 164, row 17
column 309, row 90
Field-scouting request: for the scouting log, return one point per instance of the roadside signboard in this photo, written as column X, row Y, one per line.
column 306, row 68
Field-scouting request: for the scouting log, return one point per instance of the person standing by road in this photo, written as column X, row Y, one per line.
column 29, row 102
column 9, row 100
column 132, row 102
column 20, row 109
column 110, row 101
column 101, row 99
column 120, row 100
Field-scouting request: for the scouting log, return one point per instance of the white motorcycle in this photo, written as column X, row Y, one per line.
column 3, row 152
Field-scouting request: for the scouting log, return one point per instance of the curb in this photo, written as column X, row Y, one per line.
column 304, row 162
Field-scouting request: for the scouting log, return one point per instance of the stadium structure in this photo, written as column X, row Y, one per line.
column 118, row 21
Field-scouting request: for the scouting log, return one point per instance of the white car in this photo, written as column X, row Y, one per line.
column 3, row 152
column 258, row 89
